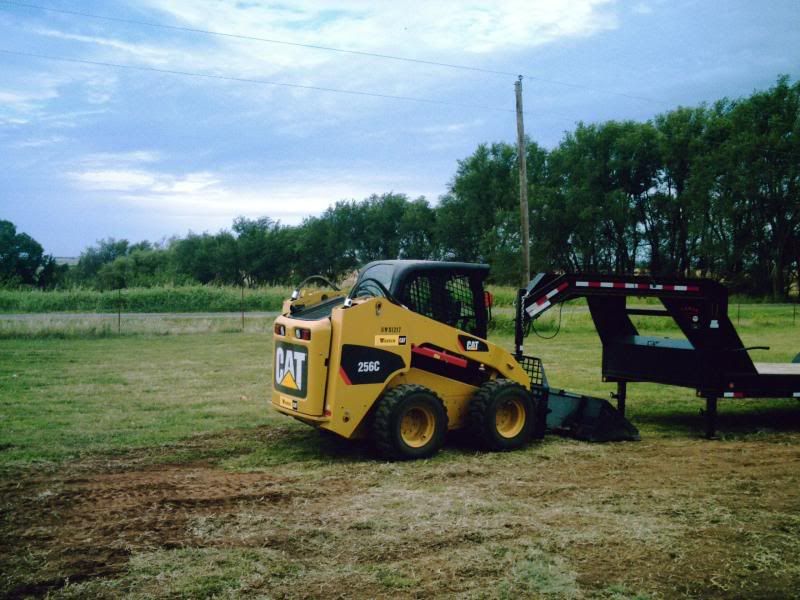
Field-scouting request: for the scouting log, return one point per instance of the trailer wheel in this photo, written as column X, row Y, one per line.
column 410, row 421
column 501, row 415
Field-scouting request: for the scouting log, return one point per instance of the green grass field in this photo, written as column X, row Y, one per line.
column 195, row 298
column 150, row 465
column 189, row 298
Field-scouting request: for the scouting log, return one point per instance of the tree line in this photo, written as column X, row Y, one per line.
column 710, row 191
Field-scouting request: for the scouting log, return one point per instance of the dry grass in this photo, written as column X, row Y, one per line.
column 661, row 518
column 67, row 326
column 150, row 466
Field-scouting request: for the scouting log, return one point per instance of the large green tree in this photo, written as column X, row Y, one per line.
column 23, row 261
column 681, row 196
column 265, row 250
column 709, row 190
column 761, row 162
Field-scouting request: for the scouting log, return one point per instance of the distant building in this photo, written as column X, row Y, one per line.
column 66, row 260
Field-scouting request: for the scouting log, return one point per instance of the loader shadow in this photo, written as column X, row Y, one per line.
column 459, row 441
column 319, row 445
column 339, row 449
column 263, row 446
column 306, row 445
column 740, row 418
column 271, row 445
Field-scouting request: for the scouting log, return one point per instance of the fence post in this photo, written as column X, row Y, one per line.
column 241, row 305
column 119, row 310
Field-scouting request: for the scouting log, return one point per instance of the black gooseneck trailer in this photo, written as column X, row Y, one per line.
column 712, row 359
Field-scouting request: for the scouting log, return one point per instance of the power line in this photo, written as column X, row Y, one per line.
column 255, row 81
column 309, row 87
column 257, row 39
column 330, row 49
column 306, row 87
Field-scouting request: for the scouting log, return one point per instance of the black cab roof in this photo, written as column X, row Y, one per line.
column 393, row 273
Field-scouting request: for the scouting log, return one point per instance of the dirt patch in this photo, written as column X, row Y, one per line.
column 90, row 526
column 665, row 517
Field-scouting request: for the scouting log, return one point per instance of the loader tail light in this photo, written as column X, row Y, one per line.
column 280, row 329
column 488, row 299
column 302, row 334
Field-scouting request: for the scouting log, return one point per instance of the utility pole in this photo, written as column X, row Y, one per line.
column 523, row 186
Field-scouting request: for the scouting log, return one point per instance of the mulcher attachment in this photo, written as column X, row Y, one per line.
column 586, row 418
column 573, row 415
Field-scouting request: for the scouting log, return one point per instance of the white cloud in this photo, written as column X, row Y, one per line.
column 453, row 32
column 461, row 26
column 449, row 31
column 452, row 128
column 40, row 142
column 114, row 180
column 30, row 97
column 100, row 88
column 21, row 100
column 118, row 172
column 191, row 183
column 136, row 171
column 145, row 52
column 101, row 160
column 134, row 180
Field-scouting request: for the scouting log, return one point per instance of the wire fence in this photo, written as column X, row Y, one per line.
column 746, row 317
column 121, row 324
column 132, row 312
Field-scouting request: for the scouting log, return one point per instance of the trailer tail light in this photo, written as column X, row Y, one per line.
column 302, row 334
column 280, row 329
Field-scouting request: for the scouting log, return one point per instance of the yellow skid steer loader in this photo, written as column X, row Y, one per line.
column 403, row 358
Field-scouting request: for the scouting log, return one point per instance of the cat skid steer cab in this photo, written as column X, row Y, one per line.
column 403, row 358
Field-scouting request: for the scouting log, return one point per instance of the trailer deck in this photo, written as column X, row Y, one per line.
column 777, row 368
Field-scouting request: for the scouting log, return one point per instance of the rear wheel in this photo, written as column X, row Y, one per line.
column 410, row 422
column 501, row 415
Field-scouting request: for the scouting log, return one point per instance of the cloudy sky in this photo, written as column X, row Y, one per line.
column 92, row 150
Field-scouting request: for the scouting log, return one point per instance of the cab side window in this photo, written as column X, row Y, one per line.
column 444, row 298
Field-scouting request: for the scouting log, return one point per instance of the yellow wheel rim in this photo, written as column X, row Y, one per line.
column 510, row 418
column 417, row 426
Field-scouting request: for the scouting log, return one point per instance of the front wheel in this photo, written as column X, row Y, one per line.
column 501, row 415
column 410, row 422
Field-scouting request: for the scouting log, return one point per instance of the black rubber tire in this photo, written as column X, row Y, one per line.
column 482, row 414
column 389, row 413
